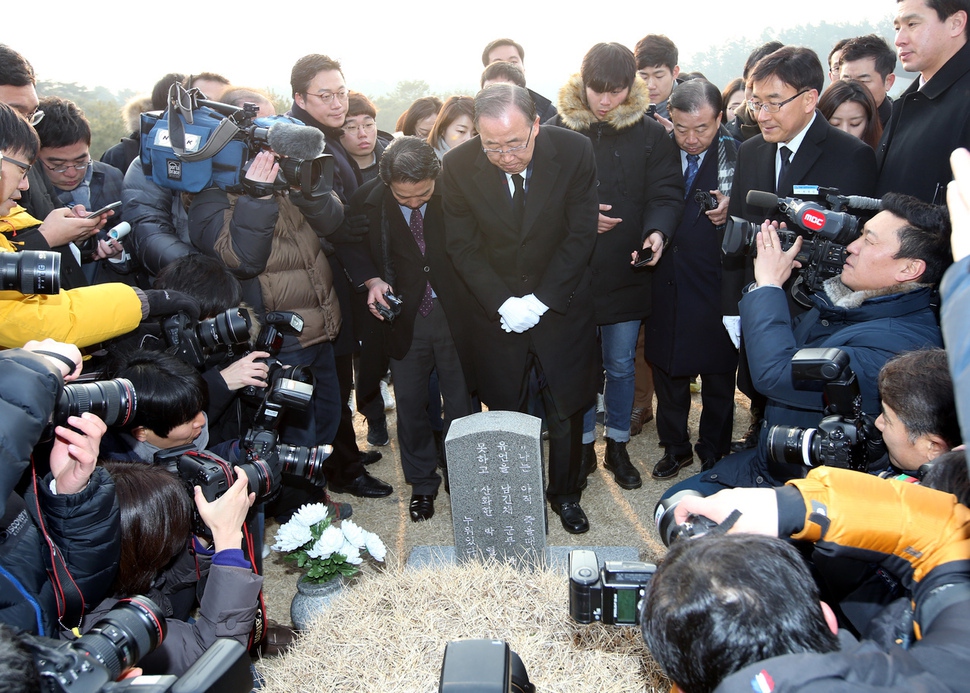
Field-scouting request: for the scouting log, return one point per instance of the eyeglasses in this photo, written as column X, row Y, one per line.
column 512, row 150
column 21, row 164
column 64, row 167
column 35, row 117
column 327, row 97
column 768, row 107
column 366, row 127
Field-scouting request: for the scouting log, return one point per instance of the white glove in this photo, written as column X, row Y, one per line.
column 732, row 323
column 537, row 306
column 517, row 315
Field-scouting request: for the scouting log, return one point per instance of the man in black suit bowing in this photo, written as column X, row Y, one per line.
column 796, row 151
column 407, row 258
column 520, row 213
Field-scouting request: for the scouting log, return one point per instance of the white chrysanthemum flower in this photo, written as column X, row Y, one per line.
column 292, row 536
column 351, row 552
column 331, row 540
column 310, row 514
column 353, row 533
column 375, row 547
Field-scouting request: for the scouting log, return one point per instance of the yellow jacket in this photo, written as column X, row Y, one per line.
column 83, row 316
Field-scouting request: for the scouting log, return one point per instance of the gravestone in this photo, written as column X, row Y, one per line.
column 497, row 492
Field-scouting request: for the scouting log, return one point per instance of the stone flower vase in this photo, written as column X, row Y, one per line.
column 313, row 598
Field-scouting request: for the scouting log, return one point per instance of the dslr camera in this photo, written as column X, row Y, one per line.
column 194, row 341
column 272, row 333
column 483, row 666
column 613, row 594
column 846, row 437
column 825, row 231
column 667, row 527
column 131, row 630
column 113, row 401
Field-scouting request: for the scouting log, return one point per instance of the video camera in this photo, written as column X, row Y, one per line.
column 193, row 341
column 132, row 629
column 31, row 272
column 826, row 233
column 846, row 437
column 197, row 144
column 613, row 594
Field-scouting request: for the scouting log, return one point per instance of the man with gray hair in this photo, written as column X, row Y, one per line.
column 521, row 211
column 405, row 257
column 683, row 333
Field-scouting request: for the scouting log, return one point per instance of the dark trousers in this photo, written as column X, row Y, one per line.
column 432, row 350
column 673, row 409
column 565, row 441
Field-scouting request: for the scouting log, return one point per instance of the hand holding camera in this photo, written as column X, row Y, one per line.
column 226, row 514
column 75, row 452
column 250, row 370
column 381, row 301
column 773, row 264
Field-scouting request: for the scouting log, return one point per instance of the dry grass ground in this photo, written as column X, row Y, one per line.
column 389, row 630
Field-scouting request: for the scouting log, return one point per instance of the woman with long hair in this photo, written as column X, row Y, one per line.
column 848, row 105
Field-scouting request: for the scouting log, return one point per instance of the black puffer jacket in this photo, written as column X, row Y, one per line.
column 638, row 172
column 85, row 526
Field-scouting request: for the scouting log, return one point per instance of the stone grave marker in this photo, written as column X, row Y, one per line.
column 495, row 469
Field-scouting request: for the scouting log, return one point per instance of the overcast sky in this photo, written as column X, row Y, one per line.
column 132, row 44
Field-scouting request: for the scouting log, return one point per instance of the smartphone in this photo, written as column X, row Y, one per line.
column 104, row 209
column 644, row 255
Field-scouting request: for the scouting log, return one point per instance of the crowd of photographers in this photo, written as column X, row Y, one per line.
column 220, row 304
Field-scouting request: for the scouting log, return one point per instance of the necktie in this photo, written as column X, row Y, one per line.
column 785, row 153
column 417, row 230
column 690, row 173
column 518, row 199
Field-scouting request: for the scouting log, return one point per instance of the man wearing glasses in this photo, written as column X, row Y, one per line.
column 17, row 90
column 65, row 160
column 797, row 149
column 520, row 217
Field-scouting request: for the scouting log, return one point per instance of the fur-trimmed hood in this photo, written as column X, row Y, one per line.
column 576, row 115
column 842, row 296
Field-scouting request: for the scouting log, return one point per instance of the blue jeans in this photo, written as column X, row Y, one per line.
column 619, row 343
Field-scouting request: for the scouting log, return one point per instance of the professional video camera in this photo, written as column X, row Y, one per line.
column 483, row 666
column 825, row 232
column 113, row 401
column 194, row 341
column 197, row 144
column 612, row 595
column 132, row 629
column 846, row 437
column 31, row 271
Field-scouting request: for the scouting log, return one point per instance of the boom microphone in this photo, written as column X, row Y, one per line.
column 296, row 141
column 760, row 198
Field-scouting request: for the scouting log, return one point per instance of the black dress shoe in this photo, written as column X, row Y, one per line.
column 370, row 456
column 618, row 461
column 670, row 465
column 587, row 464
column 572, row 517
column 707, row 463
column 421, row 508
column 750, row 438
column 364, row 486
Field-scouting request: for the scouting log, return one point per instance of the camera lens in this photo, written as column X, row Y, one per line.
column 306, row 463
column 111, row 400
column 663, row 515
column 261, row 481
column 230, row 327
column 132, row 629
column 792, row 444
column 31, row 272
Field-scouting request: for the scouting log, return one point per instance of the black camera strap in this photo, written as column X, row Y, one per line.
column 70, row 601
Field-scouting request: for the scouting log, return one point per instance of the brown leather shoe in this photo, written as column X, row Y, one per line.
column 638, row 417
column 278, row 640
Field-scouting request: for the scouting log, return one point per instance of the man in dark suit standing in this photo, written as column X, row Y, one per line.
column 406, row 244
column 521, row 210
column 796, row 151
